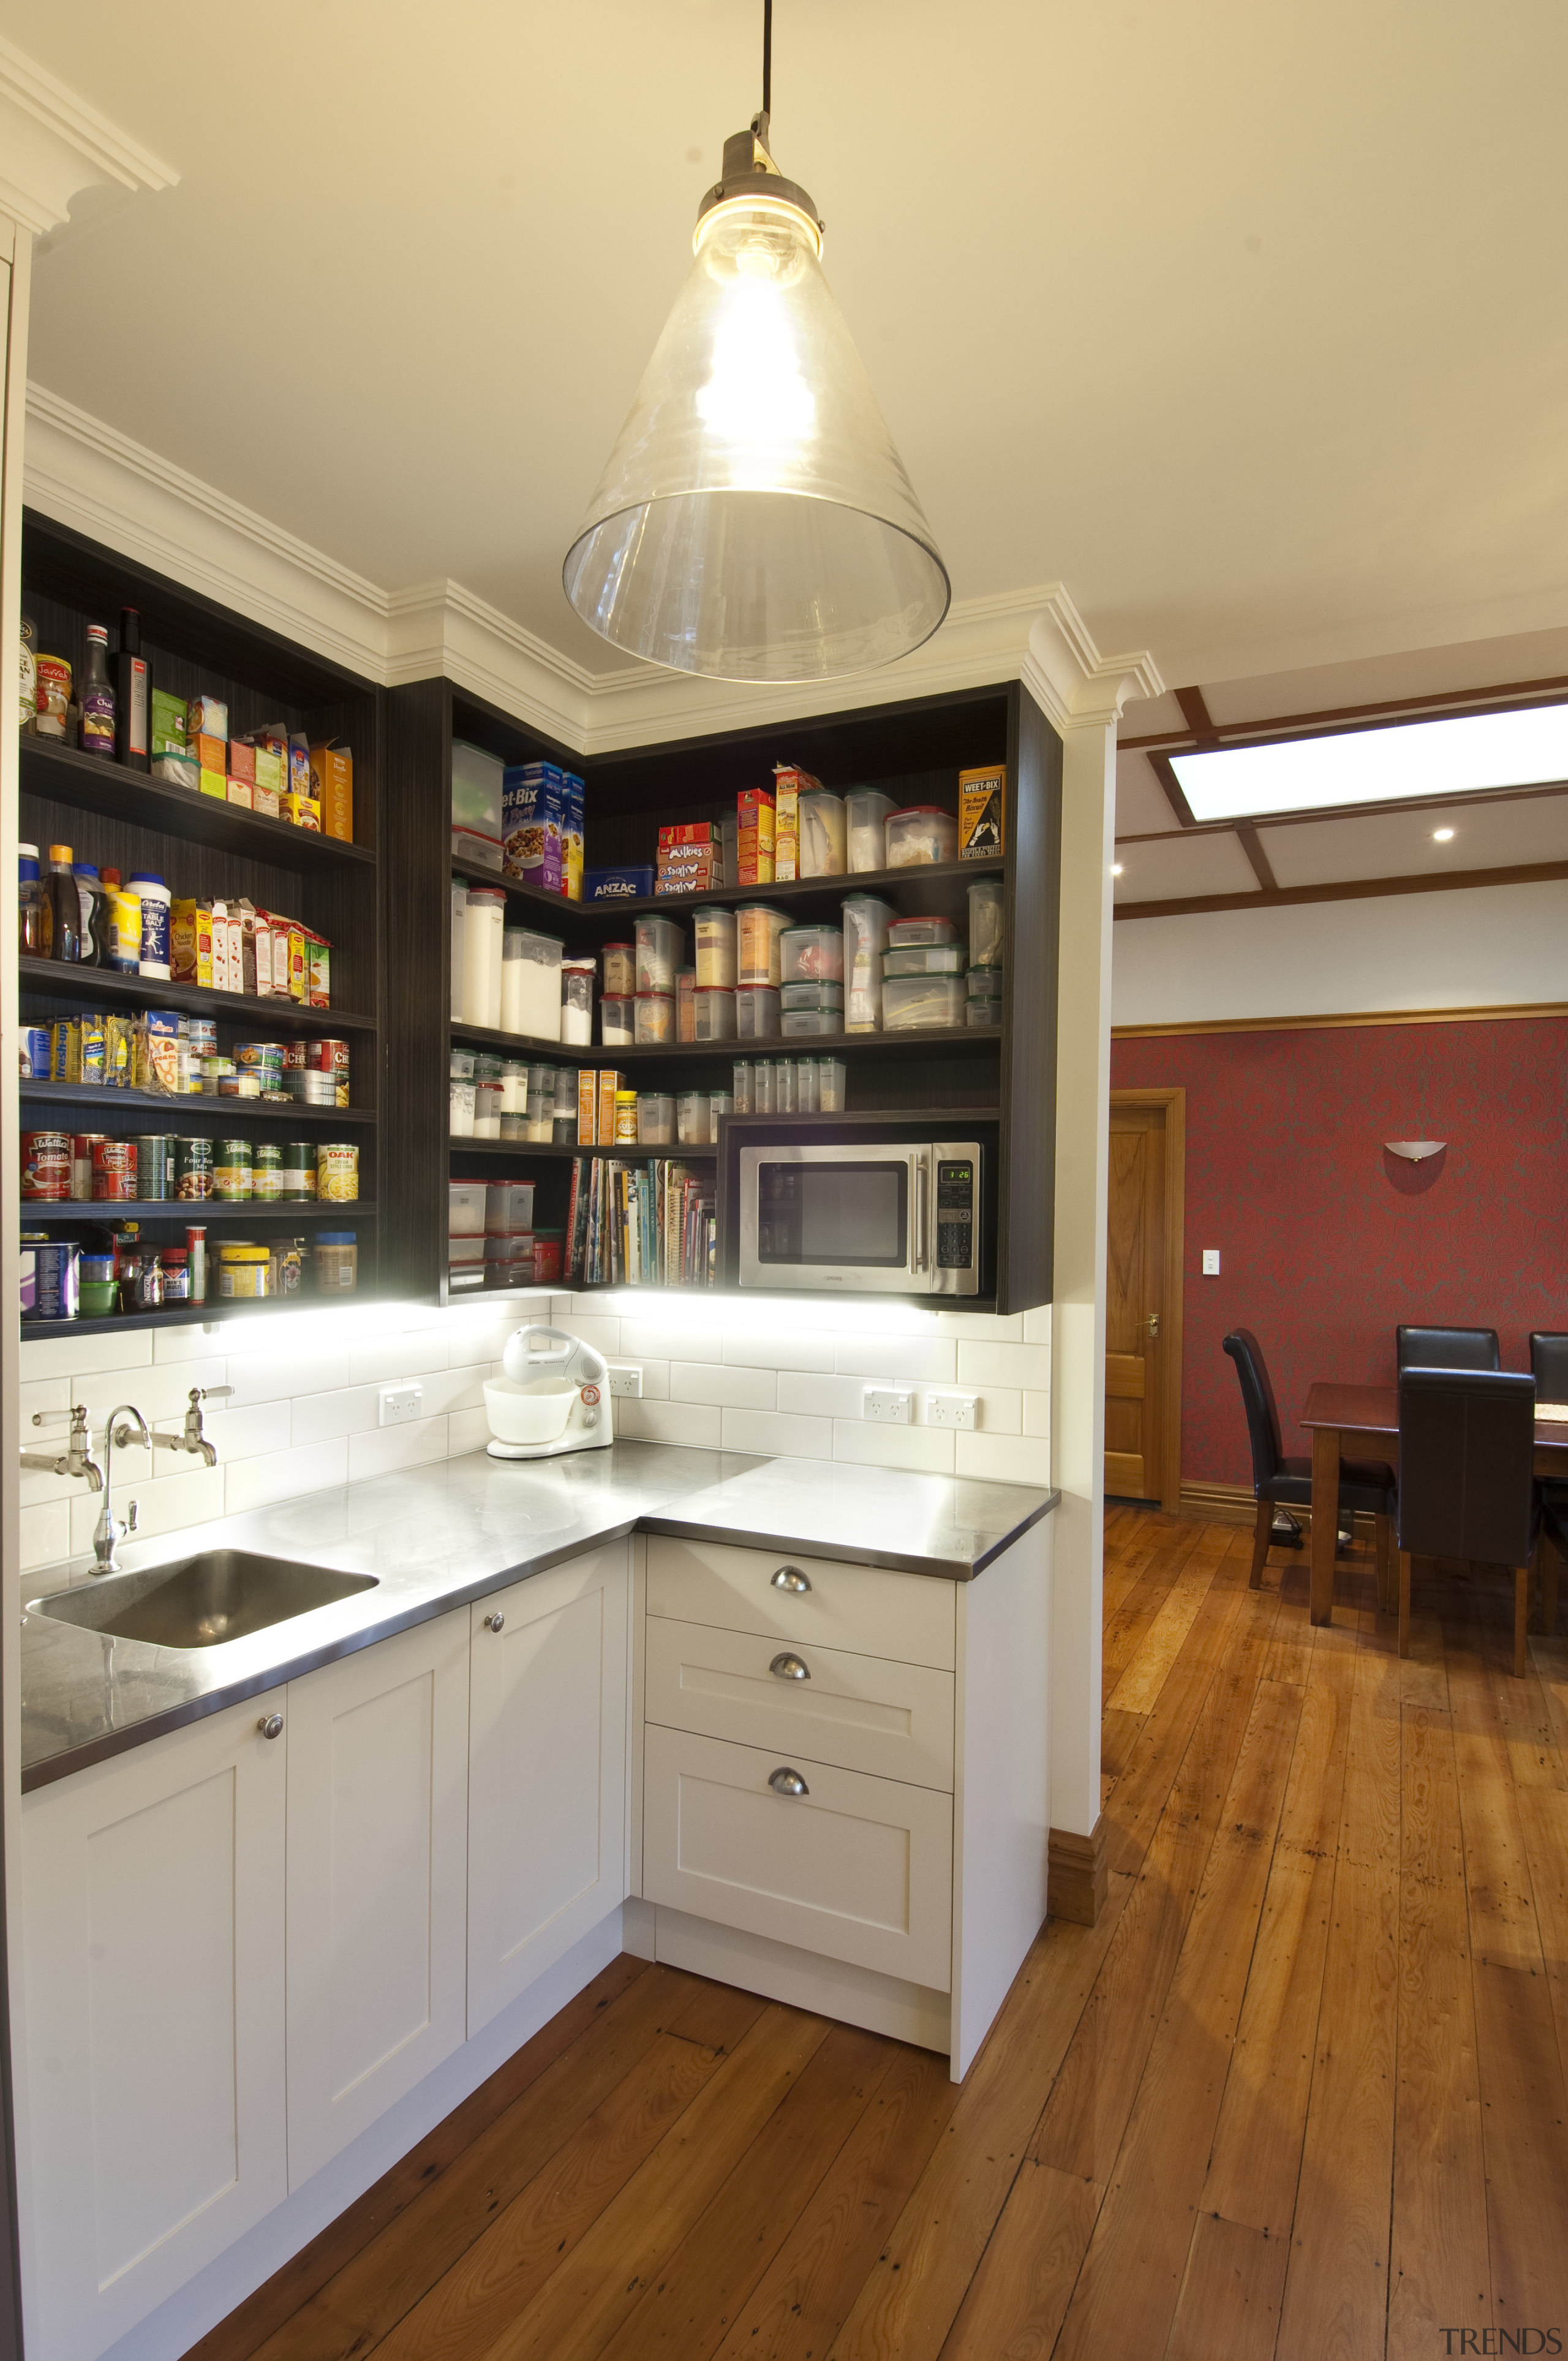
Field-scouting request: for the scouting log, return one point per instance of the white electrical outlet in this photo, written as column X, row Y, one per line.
column 626, row 1381
column 952, row 1410
column 399, row 1405
column 1211, row 1262
column 888, row 1405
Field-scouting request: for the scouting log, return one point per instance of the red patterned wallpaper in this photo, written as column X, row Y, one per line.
column 1326, row 1242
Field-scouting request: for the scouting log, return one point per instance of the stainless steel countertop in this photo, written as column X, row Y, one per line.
column 439, row 1535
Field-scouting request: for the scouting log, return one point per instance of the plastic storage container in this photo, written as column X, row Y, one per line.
column 530, row 983
column 742, row 1090
column 484, row 925
column 714, row 931
column 620, row 971
column 655, row 1017
column 763, row 1086
column 909, row 1002
column 902, row 932
column 756, row 1011
column 986, row 922
column 577, row 1001
column 509, row 1206
column 822, row 834
column 692, row 1120
column 923, row 958
column 797, row 1022
column 807, row 1086
column 715, row 1015
column 811, row 995
column 758, row 929
column 867, row 812
column 660, row 944
column 830, row 1078
column 466, row 1208
column 811, row 952
column 463, row 1251
column 920, row 836
column 982, row 1015
column 866, row 924
column 617, row 1021
column 686, row 1004
column 655, row 1119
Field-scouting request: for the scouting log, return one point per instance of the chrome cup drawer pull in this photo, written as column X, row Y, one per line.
column 790, row 1578
column 785, row 1782
column 788, row 1668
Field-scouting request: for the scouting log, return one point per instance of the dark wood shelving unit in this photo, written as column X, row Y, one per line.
column 113, row 815
column 912, row 750
column 175, row 1315
column 180, row 1211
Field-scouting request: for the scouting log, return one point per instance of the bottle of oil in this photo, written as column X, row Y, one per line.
column 62, row 907
column 95, row 692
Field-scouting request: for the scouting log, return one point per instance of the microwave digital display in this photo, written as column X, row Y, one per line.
column 852, row 1215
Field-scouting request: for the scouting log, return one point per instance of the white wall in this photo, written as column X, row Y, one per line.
column 1478, row 946
column 760, row 1376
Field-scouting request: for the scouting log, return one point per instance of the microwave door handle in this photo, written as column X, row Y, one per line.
column 920, row 1176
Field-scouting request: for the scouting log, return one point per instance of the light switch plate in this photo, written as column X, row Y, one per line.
column 952, row 1410
column 1211, row 1262
column 626, row 1381
column 399, row 1405
column 887, row 1405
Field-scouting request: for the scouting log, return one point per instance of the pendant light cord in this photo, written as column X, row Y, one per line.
column 767, row 57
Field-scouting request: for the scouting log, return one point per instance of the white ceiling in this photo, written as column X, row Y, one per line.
column 1245, row 323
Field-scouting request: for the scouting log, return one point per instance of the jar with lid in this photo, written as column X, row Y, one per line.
column 807, row 1101
column 867, row 811
column 625, row 1119
column 176, row 1274
column 692, row 1119
column 784, row 1086
column 655, row 1017
column 742, row 1093
column 243, row 1271
column 148, row 1280
column 620, row 971
column 686, row 1003
column 713, row 1014
column 758, row 929
column 484, row 925
column 715, row 932
column 866, row 923
column 986, row 922
column 659, row 946
column 616, row 1021
column 822, row 834
column 336, row 1258
column 830, row 1078
column 655, row 1119
column 762, row 1087
column 531, row 984
column 577, row 1001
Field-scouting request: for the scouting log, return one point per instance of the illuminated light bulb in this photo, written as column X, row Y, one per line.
column 1442, row 836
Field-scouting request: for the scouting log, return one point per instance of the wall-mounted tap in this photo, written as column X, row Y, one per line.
column 190, row 1437
column 106, row 1533
column 75, row 1459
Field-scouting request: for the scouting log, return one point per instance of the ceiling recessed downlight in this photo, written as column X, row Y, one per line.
column 1462, row 755
column 1116, row 868
column 1442, row 836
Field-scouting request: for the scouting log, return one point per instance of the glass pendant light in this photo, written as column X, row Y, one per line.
column 755, row 520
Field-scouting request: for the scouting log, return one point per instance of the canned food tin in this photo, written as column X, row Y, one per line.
column 114, row 1172
column 246, row 1084
column 259, row 1057
column 193, row 1169
column 46, row 1166
column 56, row 1267
column 298, row 1168
column 267, row 1169
column 231, row 1170
column 337, row 1172
column 155, row 1165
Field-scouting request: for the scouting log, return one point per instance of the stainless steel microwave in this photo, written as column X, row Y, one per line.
column 902, row 1217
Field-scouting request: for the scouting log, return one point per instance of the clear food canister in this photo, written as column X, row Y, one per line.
column 620, row 971
column 715, row 932
column 616, row 1021
column 692, row 1119
column 720, row 1105
column 807, row 1086
column 921, row 836
column 762, row 1087
column 655, row 1017
column 686, row 1003
column 784, row 1086
column 822, row 834
column 831, row 1076
column 866, row 922
column 756, row 1011
column 866, row 810
column 757, row 930
column 742, row 1093
column 811, row 955
column 577, row 1001
column 715, row 1015
column 655, row 1119
column 986, row 922
column 531, row 984
column 659, row 946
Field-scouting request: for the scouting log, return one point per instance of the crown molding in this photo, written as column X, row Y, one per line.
column 89, row 475
column 54, row 145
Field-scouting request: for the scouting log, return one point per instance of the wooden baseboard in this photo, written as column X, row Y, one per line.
column 1076, row 1875
column 1232, row 1504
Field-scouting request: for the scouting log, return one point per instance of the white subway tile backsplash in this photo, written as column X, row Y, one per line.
column 781, row 1348
column 238, row 1434
column 197, row 1343
column 162, row 1505
column 45, row 1535
column 698, row 1343
column 161, row 1395
column 1007, row 1458
column 280, row 1475
column 1036, row 1413
column 693, row 1424
column 929, row 1449
column 81, row 1356
column 989, row 1328
column 717, row 1382
column 900, row 1355
column 276, row 1376
column 779, row 1437
column 598, row 1329
column 819, row 1397
column 1004, row 1365
column 384, row 1450
column 50, row 1398
column 999, row 1411
column 317, row 1418
column 409, row 1355
column 467, row 1430
column 1038, row 1325
column 450, row 1390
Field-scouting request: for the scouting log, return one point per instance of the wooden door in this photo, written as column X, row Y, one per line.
column 547, row 1771
column 1143, row 1306
column 153, row 1927
column 377, row 1868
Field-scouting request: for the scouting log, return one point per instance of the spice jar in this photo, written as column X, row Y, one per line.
column 243, row 1271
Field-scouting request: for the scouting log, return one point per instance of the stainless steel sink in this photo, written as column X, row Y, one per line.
column 222, row 1594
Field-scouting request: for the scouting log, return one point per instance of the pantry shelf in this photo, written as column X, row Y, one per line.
column 208, row 1110
column 175, row 1315
column 957, row 1038
column 522, row 1151
column 206, row 1210
column 105, row 985
column 553, row 912
column 89, row 783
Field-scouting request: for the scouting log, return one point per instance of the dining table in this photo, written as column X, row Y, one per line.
column 1337, row 1415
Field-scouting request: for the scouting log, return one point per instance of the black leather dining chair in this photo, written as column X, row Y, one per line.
column 1466, row 1450
column 1549, row 1366
column 1446, row 1349
column 1364, row 1484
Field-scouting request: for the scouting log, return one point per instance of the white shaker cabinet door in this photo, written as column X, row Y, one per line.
column 153, row 1934
column 378, row 1802
column 547, row 1780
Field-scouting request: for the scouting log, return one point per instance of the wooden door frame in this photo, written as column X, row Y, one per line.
column 1173, row 1100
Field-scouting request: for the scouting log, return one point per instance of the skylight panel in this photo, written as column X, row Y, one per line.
column 1462, row 754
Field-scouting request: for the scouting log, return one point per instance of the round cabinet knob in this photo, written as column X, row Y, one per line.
column 790, row 1578
column 785, row 1782
column 788, row 1668
column 271, row 1725
column 494, row 1622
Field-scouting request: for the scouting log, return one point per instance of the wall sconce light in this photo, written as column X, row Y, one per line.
column 1415, row 1152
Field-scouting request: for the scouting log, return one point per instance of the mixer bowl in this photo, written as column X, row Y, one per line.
column 536, row 1411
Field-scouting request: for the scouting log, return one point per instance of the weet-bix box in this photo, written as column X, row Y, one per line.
column 533, row 820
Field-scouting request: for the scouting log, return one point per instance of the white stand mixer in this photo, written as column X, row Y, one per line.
column 554, row 1397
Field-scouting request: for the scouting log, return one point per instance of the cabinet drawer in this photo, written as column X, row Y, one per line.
column 910, row 1617
column 861, row 1713
column 856, row 1869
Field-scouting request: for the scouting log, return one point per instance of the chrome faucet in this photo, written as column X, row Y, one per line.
column 107, row 1533
column 74, row 1459
column 190, row 1437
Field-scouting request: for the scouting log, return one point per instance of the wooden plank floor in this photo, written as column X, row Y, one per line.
column 1301, row 2093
